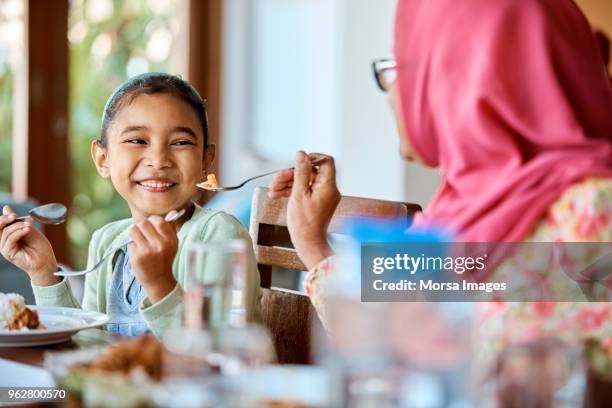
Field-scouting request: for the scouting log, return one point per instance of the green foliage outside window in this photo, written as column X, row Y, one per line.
column 6, row 127
column 101, row 52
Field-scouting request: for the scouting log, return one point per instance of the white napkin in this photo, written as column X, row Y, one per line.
column 22, row 375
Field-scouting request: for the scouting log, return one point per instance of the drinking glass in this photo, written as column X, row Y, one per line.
column 215, row 300
column 215, row 284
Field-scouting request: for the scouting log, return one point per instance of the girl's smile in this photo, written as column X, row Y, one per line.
column 158, row 185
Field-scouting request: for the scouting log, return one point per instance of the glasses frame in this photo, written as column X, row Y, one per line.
column 379, row 66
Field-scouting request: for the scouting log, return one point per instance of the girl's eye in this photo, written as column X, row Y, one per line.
column 183, row 143
column 135, row 141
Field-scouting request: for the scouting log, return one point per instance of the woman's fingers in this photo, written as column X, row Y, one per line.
column 282, row 184
column 326, row 167
column 302, row 173
column 280, row 194
column 304, row 176
column 284, row 192
column 281, row 180
column 319, row 158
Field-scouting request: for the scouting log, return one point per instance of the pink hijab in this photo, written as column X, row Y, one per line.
column 510, row 99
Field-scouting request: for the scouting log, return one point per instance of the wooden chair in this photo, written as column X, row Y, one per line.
column 268, row 227
column 288, row 314
column 290, row 318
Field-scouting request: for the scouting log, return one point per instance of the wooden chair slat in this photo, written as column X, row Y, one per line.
column 277, row 256
column 274, row 211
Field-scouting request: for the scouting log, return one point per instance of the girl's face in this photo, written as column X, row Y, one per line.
column 154, row 154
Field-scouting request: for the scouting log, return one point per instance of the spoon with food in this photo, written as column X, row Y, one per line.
column 211, row 183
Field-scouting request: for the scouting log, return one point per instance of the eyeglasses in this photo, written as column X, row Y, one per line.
column 385, row 73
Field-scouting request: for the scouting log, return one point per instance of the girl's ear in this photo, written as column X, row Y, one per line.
column 209, row 156
column 99, row 155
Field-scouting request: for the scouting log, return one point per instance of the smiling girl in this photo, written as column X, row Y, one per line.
column 154, row 149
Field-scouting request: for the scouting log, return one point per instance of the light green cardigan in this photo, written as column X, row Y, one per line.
column 205, row 225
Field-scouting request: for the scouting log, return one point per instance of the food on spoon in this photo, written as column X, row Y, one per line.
column 211, row 182
column 15, row 315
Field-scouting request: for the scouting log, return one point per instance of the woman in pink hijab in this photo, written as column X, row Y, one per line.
column 511, row 100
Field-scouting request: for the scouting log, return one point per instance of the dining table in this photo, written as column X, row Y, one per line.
column 23, row 367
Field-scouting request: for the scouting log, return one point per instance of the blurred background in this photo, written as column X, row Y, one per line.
column 279, row 75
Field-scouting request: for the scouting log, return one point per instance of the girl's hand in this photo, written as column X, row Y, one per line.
column 27, row 248
column 313, row 198
column 152, row 254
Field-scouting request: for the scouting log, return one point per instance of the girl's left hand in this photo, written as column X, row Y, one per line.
column 152, row 254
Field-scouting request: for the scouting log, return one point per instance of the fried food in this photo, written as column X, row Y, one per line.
column 211, row 181
column 125, row 356
column 15, row 315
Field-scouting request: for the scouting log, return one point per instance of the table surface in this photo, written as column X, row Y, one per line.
column 35, row 355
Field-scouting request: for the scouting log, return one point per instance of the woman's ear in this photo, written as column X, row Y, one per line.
column 209, row 156
column 99, row 155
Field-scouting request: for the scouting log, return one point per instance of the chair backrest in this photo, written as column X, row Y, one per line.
column 268, row 227
column 290, row 318
column 289, row 315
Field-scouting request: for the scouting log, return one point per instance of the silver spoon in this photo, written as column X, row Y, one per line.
column 51, row 214
column 110, row 252
column 203, row 185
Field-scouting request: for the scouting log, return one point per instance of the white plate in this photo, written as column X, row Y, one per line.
column 61, row 323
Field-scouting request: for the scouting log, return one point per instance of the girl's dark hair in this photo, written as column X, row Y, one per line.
column 152, row 83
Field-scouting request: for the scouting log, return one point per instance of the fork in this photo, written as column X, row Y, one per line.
column 109, row 253
column 204, row 187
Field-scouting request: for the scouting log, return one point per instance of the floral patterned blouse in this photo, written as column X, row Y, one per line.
column 583, row 213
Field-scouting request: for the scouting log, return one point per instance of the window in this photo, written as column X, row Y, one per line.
column 109, row 42
column 11, row 74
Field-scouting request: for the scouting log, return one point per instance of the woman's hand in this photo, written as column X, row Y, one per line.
column 27, row 248
column 313, row 198
column 152, row 254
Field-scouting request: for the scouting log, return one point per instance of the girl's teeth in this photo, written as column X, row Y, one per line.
column 154, row 184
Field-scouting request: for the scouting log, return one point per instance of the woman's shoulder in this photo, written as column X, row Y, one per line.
column 582, row 213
